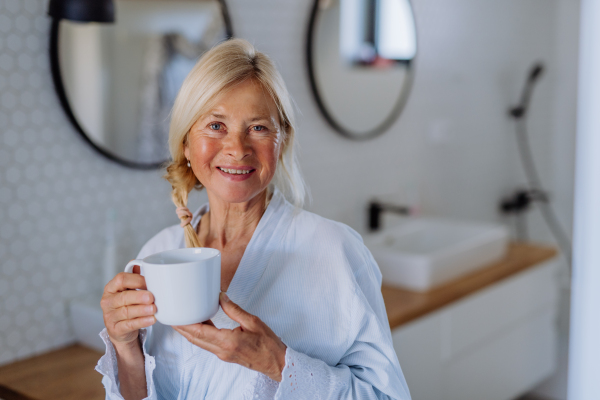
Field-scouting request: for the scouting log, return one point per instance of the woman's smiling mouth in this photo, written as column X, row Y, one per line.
column 236, row 174
column 235, row 171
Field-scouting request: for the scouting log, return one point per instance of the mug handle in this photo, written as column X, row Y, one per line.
column 131, row 264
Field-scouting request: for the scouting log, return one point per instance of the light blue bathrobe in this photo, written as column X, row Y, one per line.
column 315, row 284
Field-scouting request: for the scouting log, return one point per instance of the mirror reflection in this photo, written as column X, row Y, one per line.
column 121, row 79
column 360, row 60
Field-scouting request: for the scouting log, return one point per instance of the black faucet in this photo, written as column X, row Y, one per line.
column 375, row 210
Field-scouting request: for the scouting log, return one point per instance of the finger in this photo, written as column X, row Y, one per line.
column 130, row 325
column 124, row 281
column 131, row 297
column 136, row 268
column 132, row 312
column 114, row 301
column 239, row 315
column 203, row 332
column 184, row 332
column 192, row 335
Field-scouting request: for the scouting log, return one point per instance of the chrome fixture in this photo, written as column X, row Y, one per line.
column 375, row 210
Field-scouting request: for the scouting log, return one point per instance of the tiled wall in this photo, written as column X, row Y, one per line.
column 453, row 142
column 54, row 194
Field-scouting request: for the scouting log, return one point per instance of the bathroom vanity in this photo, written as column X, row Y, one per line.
column 487, row 335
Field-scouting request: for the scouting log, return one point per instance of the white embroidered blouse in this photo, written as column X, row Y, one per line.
column 315, row 284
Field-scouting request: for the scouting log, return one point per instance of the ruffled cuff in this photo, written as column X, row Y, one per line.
column 107, row 366
column 297, row 378
column 304, row 377
column 261, row 388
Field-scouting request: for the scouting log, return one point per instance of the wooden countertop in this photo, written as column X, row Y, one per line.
column 65, row 374
column 404, row 306
column 68, row 373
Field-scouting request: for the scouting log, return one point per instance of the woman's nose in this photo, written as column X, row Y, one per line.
column 235, row 145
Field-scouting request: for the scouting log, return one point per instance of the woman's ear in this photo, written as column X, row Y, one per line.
column 283, row 142
column 186, row 151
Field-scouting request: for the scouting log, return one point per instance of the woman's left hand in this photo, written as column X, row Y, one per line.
column 252, row 345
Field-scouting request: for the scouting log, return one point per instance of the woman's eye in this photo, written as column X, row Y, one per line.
column 215, row 126
column 258, row 128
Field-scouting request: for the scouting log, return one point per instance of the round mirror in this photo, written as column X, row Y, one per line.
column 360, row 55
column 117, row 82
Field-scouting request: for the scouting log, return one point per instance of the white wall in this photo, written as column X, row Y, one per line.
column 562, row 169
column 453, row 141
column 585, row 324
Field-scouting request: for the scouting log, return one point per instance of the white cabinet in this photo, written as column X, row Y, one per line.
column 495, row 344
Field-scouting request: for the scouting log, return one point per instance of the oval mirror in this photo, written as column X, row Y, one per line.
column 117, row 82
column 360, row 55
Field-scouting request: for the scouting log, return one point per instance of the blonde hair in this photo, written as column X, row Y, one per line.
column 224, row 66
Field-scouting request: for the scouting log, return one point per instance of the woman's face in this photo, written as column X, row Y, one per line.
column 233, row 149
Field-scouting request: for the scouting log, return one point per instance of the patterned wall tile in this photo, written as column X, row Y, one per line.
column 54, row 194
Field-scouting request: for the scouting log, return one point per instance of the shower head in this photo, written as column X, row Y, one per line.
column 536, row 71
column 534, row 74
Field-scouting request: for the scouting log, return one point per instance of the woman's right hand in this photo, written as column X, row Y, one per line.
column 126, row 309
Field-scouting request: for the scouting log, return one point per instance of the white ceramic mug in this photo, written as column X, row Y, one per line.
column 185, row 283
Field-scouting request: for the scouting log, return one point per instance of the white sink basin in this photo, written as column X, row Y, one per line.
column 422, row 253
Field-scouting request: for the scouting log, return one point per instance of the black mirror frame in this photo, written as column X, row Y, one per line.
column 359, row 136
column 64, row 101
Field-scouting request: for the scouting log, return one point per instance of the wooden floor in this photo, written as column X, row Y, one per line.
column 65, row 374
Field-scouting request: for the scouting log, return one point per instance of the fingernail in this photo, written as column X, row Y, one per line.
column 224, row 297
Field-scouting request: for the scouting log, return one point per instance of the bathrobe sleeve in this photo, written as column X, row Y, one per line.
column 369, row 369
column 107, row 365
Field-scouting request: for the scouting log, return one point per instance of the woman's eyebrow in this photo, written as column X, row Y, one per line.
column 261, row 118
column 253, row 119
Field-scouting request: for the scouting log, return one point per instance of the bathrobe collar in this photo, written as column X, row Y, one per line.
column 265, row 240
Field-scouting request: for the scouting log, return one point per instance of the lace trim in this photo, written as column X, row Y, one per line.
column 262, row 387
column 108, row 367
column 303, row 377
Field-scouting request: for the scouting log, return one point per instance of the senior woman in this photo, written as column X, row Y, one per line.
column 302, row 316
